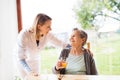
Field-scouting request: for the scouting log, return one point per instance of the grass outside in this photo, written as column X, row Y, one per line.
column 106, row 53
column 48, row 59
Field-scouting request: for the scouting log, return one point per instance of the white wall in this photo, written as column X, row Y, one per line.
column 61, row 11
column 8, row 34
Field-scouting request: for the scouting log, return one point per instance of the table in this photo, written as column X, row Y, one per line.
column 77, row 77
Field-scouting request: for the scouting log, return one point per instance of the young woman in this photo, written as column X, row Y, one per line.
column 78, row 59
column 31, row 41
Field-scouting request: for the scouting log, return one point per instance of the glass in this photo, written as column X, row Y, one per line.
column 63, row 62
column 63, row 65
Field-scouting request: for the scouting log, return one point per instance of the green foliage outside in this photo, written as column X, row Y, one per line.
column 86, row 11
column 106, row 54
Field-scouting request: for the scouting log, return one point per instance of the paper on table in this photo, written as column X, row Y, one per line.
column 32, row 77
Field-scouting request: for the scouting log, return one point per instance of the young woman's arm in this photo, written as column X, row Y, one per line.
column 25, row 65
column 54, row 40
column 21, row 50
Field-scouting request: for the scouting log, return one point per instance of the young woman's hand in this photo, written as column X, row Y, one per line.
column 31, row 73
column 89, row 52
column 32, row 76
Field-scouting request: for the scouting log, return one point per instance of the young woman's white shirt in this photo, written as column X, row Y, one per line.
column 27, row 48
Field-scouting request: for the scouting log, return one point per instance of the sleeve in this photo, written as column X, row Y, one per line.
column 21, row 45
column 93, row 67
column 54, row 40
column 61, row 71
column 64, row 54
column 68, row 46
column 55, row 71
column 21, row 50
column 25, row 65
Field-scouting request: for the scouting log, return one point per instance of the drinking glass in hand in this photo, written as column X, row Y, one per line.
column 63, row 63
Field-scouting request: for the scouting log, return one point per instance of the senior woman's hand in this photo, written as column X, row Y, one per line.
column 60, row 64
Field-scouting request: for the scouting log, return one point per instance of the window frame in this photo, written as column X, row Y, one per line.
column 19, row 15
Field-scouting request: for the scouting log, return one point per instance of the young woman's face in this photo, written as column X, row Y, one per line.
column 75, row 39
column 44, row 29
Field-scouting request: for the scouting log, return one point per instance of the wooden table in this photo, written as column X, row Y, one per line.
column 77, row 77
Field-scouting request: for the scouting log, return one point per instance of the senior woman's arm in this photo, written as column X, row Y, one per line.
column 93, row 67
column 55, row 71
column 64, row 54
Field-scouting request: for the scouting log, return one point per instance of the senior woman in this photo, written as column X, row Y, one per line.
column 79, row 61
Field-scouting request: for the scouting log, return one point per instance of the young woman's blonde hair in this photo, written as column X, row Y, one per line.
column 39, row 19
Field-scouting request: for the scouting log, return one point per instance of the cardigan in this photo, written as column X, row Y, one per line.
column 89, row 62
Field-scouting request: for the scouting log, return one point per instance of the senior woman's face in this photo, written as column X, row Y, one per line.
column 75, row 39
